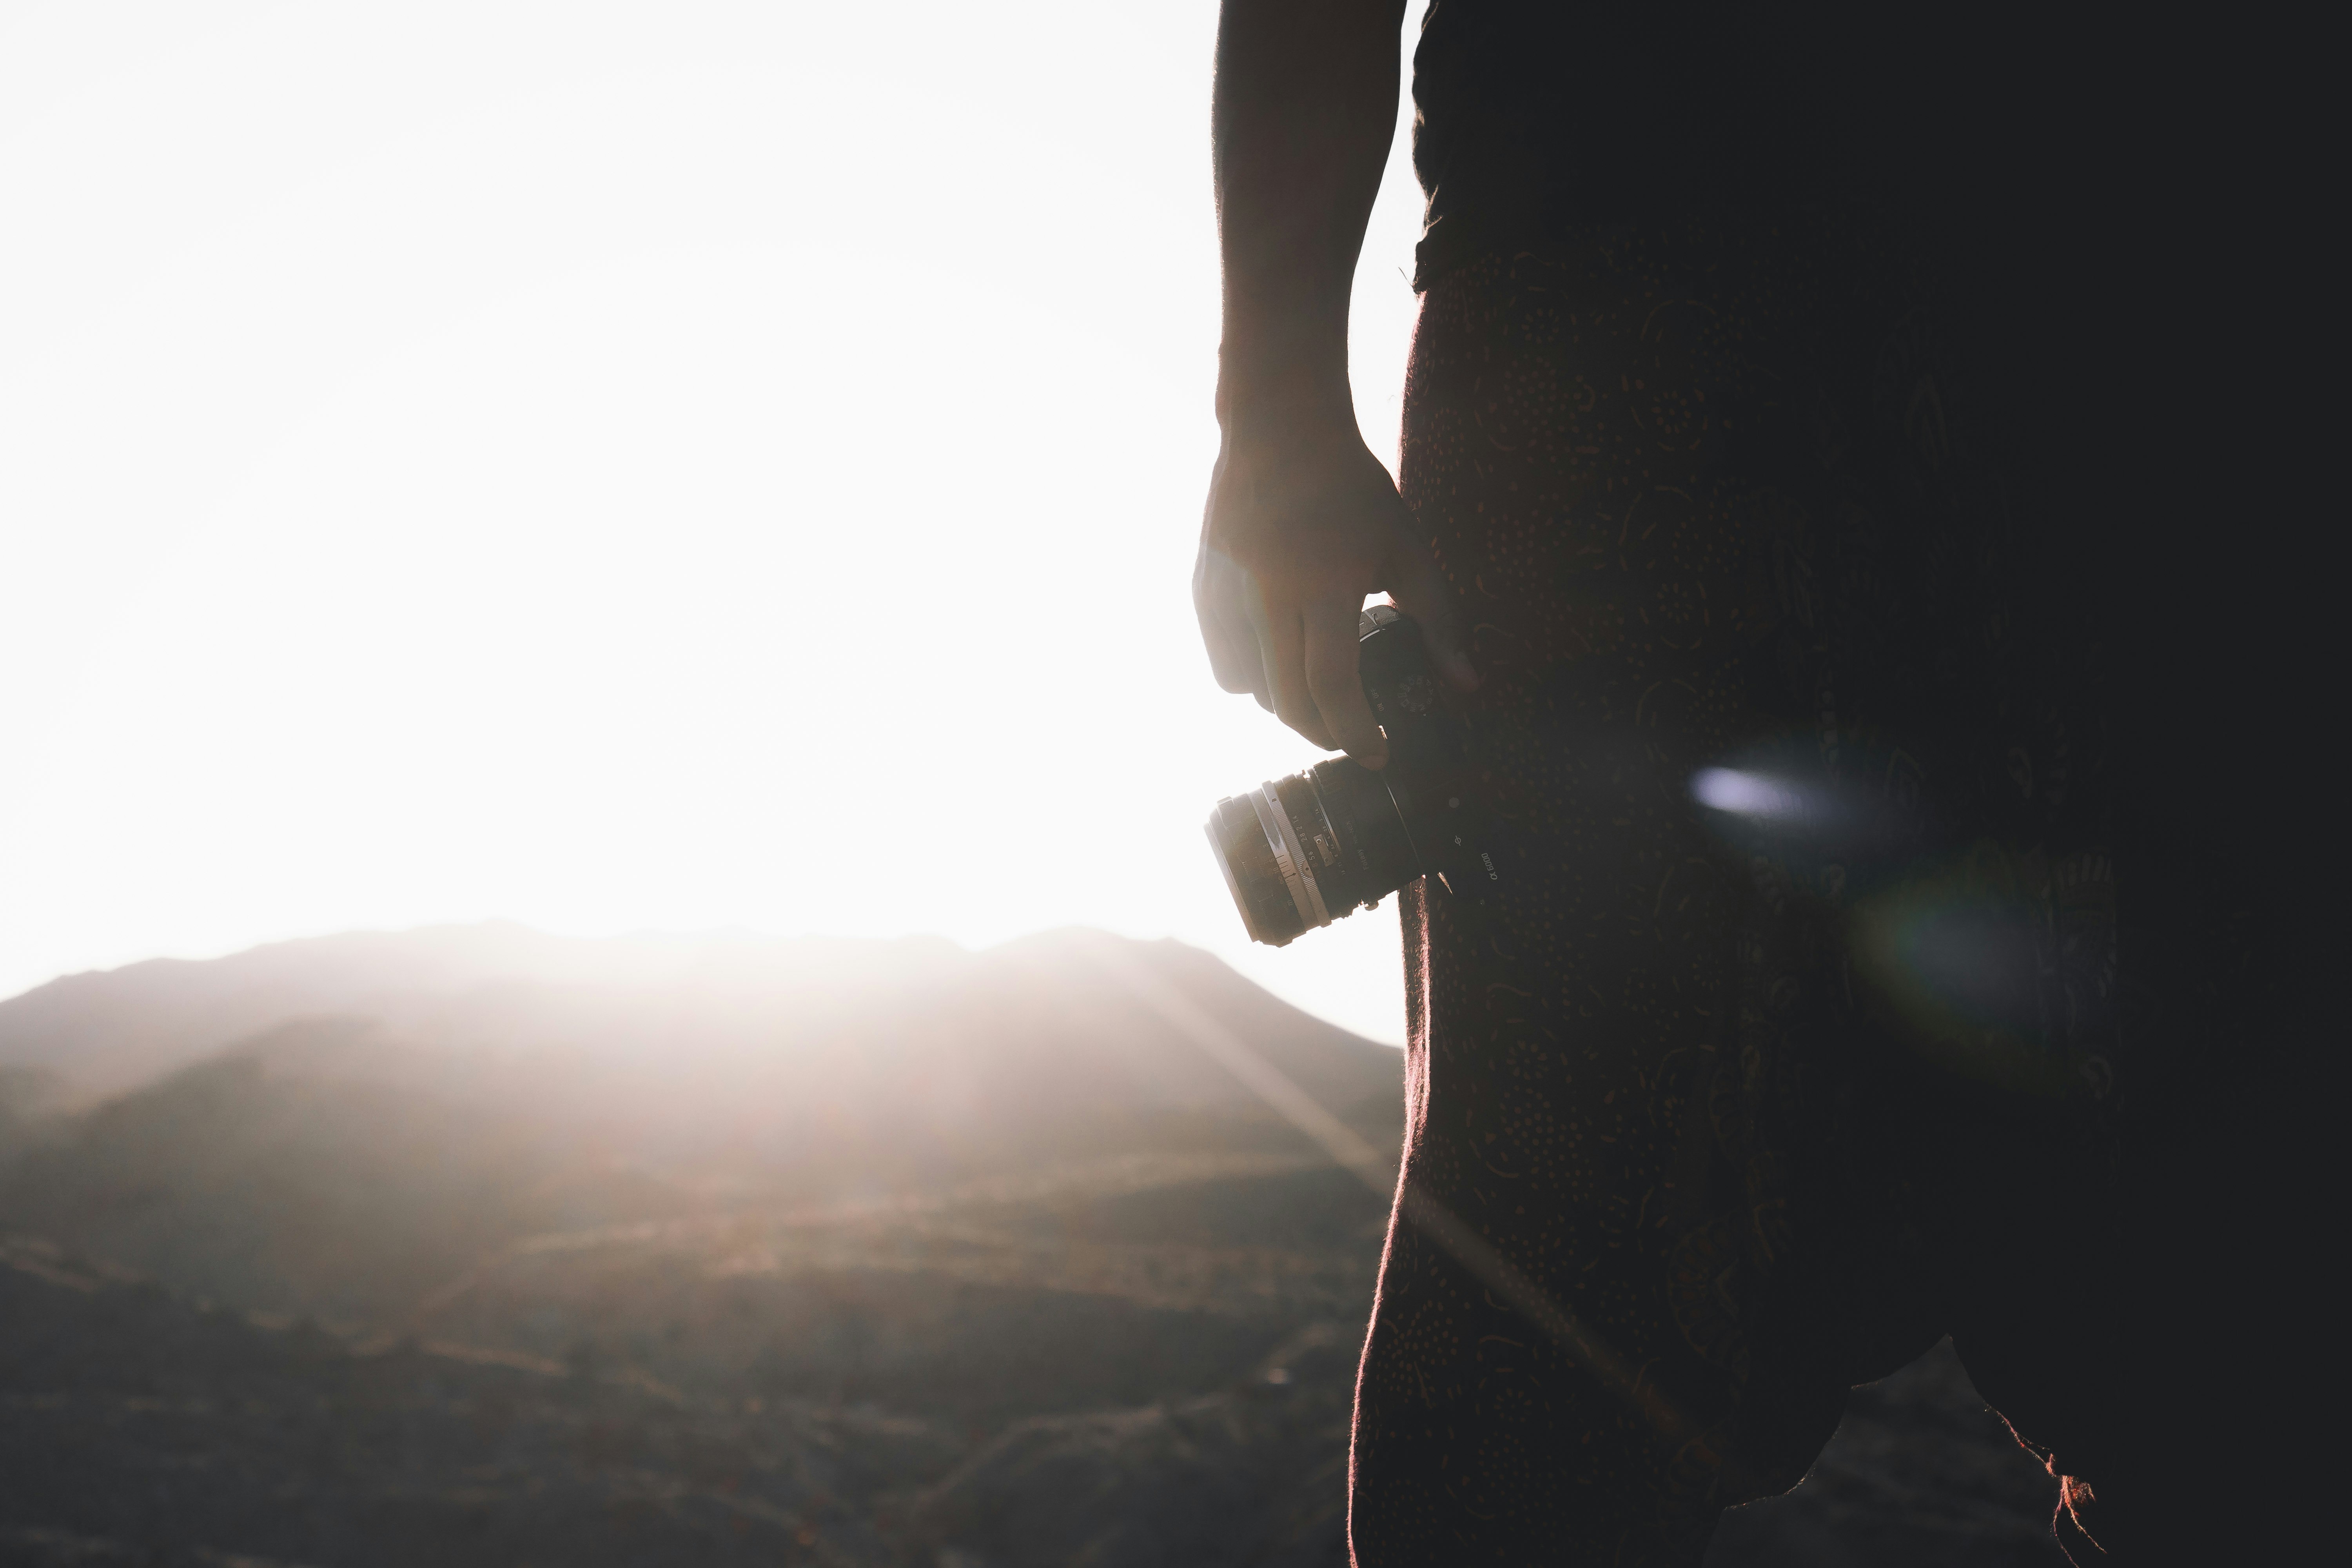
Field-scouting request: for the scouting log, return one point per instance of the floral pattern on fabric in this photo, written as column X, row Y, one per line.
column 1794, row 1007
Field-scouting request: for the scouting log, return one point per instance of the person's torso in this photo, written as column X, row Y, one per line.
column 1534, row 116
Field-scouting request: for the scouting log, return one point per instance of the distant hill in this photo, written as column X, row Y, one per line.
column 504, row 990
column 389, row 1249
column 398, row 1108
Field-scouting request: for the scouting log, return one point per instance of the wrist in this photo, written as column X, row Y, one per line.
column 1288, row 398
column 1282, row 358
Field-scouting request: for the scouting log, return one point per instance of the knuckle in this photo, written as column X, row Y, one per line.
column 1302, row 717
column 1344, row 713
column 1332, row 667
column 1333, row 657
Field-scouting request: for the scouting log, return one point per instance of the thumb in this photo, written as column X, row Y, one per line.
column 1421, row 591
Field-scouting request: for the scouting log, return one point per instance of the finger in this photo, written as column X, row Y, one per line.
column 1338, row 684
column 1233, row 651
column 1421, row 591
column 1225, row 632
column 1284, row 640
column 1236, row 660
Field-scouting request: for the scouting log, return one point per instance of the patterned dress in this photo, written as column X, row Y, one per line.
column 1794, row 1021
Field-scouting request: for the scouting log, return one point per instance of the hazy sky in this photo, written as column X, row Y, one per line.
column 621, row 467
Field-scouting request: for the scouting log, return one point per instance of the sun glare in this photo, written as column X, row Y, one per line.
column 671, row 467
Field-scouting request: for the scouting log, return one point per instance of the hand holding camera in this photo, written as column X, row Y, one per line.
column 1301, row 852
column 1302, row 524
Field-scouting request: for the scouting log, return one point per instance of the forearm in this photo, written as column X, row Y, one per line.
column 1304, row 109
column 1302, row 521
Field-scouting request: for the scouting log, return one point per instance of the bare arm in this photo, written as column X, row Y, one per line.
column 1302, row 520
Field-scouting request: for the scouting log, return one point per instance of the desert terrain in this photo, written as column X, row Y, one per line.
column 476, row 1245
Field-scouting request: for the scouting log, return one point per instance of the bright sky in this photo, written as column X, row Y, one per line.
column 621, row 467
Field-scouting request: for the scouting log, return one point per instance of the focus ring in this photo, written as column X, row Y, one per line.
column 1288, row 857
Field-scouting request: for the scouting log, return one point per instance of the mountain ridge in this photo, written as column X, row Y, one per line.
column 506, row 985
column 409, row 1105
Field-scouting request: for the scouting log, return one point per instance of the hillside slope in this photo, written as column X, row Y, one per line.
column 347, row 1165
column 916, row 1021
column 507, row 1249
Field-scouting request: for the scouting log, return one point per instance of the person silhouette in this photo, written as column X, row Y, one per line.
column 1791, row 435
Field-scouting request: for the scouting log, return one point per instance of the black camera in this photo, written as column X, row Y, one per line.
column 1304, row 851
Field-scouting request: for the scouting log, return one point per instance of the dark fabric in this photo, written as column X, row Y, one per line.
column 1534, row 117
column 1772, row 1092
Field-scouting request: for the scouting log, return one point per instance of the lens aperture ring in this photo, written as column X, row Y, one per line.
column 1289, row 856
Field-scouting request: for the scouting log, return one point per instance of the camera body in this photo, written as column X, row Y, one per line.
column 1303, row 851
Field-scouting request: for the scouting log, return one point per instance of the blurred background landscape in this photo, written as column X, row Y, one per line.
column 472, row 1245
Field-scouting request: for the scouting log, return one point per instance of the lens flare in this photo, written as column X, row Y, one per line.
column 1746, row 795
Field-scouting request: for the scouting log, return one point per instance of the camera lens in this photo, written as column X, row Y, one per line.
column 1304, row 851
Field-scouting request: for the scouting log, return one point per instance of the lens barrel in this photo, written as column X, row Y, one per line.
column 1300, row 852
column 1304, row 851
